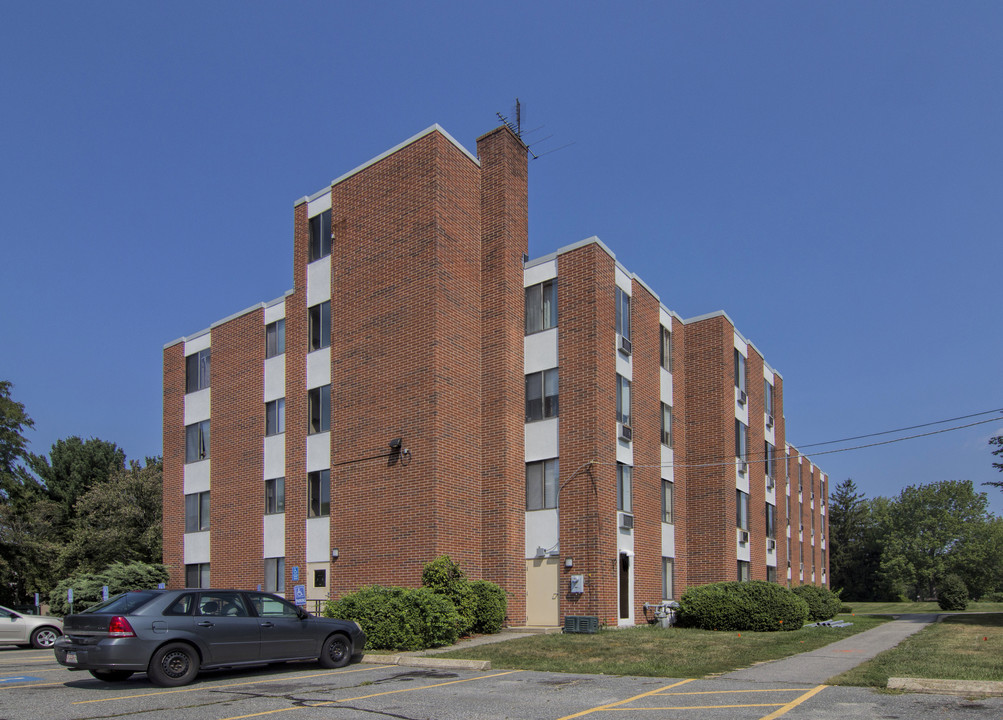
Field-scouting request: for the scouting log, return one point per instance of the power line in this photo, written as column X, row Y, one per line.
column 911, row 427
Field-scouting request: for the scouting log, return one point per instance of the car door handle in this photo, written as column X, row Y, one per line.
column 267, row 624
column 204, row 623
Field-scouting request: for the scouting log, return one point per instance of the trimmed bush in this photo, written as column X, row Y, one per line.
column 490, row 608
column 994, row 596
column 846, row 609
column 395, row 618
column 119, row 577
column 755, row 606
column 444, row 577
column 952, row 593
column 823, row 604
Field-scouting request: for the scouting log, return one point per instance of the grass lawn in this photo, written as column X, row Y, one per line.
column 659, row 652
column 961, row 647
column 891, row 608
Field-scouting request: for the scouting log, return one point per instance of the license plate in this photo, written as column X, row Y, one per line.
column 71, row 657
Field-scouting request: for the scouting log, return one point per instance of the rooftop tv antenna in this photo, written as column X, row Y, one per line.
column 515, row 125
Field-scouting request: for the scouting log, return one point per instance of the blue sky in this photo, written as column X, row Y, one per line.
column 829, row 174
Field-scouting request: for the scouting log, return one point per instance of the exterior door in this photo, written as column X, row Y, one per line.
column 542, row 607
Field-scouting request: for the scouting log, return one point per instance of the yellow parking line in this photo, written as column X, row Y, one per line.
column 223, row 687
column 611, row 706
column 725, row 692
column 794, row 703
column 695, row 707
column 329, row 703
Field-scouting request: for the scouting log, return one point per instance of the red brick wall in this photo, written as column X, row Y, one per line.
column 681, row 457
column 174, row 463
column 503, row 212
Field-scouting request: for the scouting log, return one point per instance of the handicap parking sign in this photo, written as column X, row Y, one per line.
column 299, row 594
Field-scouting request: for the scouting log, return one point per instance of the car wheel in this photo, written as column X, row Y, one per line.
column 173, row 665
column 336, row 653
column 112, row 675
column 44, row 637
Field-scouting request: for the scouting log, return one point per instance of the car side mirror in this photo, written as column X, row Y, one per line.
column 301, row 613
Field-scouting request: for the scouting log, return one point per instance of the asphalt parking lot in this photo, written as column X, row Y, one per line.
column 33, row 686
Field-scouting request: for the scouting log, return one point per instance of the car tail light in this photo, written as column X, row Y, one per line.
column 119, row 627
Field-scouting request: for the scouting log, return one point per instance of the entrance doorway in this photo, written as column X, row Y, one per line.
column 542, row 592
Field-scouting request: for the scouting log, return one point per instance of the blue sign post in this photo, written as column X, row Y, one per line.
column 299, row 594
column 296, row 573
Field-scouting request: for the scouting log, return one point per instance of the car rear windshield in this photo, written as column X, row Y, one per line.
column 125, row 603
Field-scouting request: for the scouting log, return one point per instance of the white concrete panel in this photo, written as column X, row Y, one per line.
column 318, row 452
column 743, row 347
column 770, row 431
column 623, row 281
column 540, row 351
column 275, row 456
column 741, row 409
column 541, row 440
column 540, row 273
column 665, row 318
column 199, row 343
column 318, row 205
column 668, row 458
column 668, row 540
column 318, row 368
column 198, row 406
column 318, row 539
column 624, row 364
column 275, row 377
column 769, row 375
column 743, row 549
column 742, row 481
column 197, row 547
column 666, row 386
column 318, row 281
column 275, row 312
column 541, row 531
column 197, row 477
column 273, row 529
column 771, row 494
column 624, row 449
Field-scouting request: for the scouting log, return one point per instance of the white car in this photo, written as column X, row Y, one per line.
column 35, row 631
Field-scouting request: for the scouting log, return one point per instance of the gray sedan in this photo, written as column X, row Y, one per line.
column 35, row 631
column 172, row 634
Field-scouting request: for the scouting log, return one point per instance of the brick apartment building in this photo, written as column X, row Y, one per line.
column 426, row 389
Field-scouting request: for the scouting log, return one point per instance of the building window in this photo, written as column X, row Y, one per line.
column 743, row 571
column 739, row 370
column 319, row 493
column 275, row 338
column 622, row 313
column 770, row 464
column 624, row 491
column 275, row 575
column 319, row 402
column 541, row 484
column 275, row 496
column 668, row 578
column 741, row 440
column 768, row 395
column 275, row 417
column 771, row 521
column 197, row 512
column 197, row 441
column 771, row 573
column 197, row 575
column 668, row 501
column 622, row 400
column 665, row 355
column 320, row 578
column 541, row 395
column 742, row 510
column 320, row 235
column 666, row 425
column 320, row 326
column 197, row 373
column 541, row 306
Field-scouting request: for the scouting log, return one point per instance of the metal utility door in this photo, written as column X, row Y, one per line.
column 542, row 592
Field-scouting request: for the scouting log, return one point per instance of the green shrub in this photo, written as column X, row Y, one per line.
column 490, row 608
column 395, row 618
column 995, row 596
column 952, row 593
column 846, row 609
column 444, row 577
column 755, row 606
column 823, row 604
column 119, row 577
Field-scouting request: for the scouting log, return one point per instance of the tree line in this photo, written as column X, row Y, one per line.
column 77, row 511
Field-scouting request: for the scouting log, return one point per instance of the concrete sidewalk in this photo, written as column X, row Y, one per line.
column 817, row 666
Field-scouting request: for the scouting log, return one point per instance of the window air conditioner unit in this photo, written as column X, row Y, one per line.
column 769, row 421
column 626, row 433
column 771, row 545
column 743, row 536
column 624, row 345
column 627, row 521
column 743, row 467
column 769, row 483
column 742, row 397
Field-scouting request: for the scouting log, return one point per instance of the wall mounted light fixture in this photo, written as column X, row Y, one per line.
column 569, row 562
column 335, row 554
